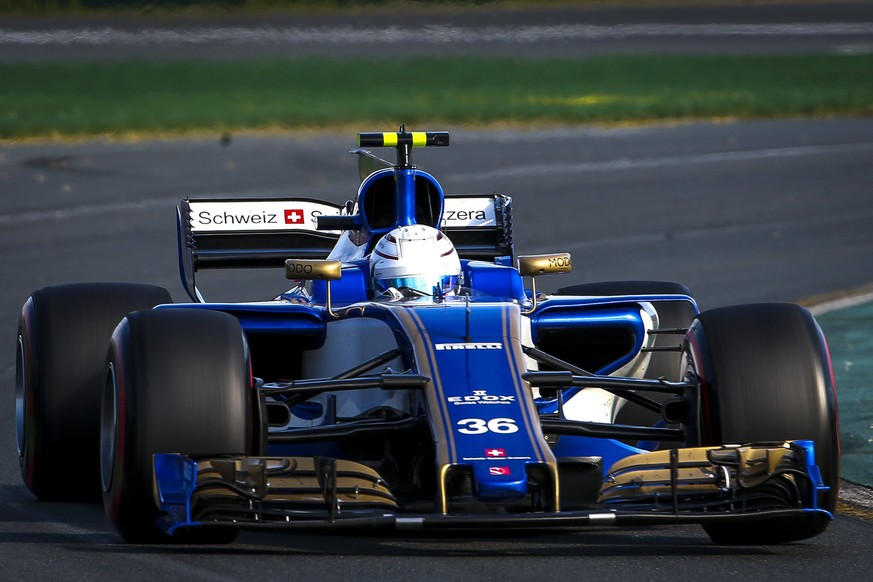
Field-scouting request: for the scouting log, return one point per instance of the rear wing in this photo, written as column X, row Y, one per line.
column 262, row 233
column 480, row 226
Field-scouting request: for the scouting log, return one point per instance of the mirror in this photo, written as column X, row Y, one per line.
column 312, row 269
column 535, row 265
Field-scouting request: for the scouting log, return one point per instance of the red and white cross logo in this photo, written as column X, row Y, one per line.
column 293, row 216
column 495, row 452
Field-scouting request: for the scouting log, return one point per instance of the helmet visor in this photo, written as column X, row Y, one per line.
column 425, row 285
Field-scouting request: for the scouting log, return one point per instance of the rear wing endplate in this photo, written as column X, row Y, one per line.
column 480, row 226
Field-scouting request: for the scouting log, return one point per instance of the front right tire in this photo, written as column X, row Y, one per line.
column 63, row 334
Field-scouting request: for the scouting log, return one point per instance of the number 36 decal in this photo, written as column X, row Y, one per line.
column 479, row 426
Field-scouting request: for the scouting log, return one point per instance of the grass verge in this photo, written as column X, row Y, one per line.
column 108, row 97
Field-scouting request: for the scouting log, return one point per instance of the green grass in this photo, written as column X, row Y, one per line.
column 90, row 98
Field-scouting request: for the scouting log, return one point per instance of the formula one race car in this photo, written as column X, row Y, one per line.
column 411, row 380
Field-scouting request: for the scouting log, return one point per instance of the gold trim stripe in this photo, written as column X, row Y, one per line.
column 436, row 398
column 438, row 386
column 517, row 363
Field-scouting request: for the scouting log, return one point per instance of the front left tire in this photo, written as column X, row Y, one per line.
column 765, row 375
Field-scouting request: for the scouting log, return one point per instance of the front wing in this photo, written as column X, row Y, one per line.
column 696, row 485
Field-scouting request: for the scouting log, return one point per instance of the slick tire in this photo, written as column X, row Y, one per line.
column 178, row 381
column 671, row 315
column 765, row 375
column 63, row 334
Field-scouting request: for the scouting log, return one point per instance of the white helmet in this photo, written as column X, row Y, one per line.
column 415, row 257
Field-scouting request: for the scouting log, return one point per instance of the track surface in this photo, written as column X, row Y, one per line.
column 832, row 27
column 740, row 212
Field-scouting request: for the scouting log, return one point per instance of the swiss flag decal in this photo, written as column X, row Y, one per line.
column 293, row 216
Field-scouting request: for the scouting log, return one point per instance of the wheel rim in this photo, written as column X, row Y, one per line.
column 20, row 396
column 108, row 429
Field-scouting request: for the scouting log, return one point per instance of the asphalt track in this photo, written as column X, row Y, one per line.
column 565, row 31
column 741, row 212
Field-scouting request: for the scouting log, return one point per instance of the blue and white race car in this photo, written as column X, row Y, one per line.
column 413, row 378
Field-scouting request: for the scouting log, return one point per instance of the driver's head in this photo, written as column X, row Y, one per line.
column 416, row 257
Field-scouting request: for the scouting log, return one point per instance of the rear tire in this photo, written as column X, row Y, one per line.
column 765, row 375
column 63, row 334
column 178, row 381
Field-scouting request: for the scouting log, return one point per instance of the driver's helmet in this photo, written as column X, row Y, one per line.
column 418, row 258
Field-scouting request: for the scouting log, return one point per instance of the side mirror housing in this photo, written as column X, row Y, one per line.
column 313, row 269
column 535, row 265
